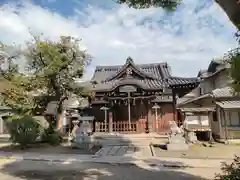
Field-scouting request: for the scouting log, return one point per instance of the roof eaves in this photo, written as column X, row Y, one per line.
column 195, row 99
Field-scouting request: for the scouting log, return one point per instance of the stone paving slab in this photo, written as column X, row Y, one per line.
column 125, row 151
column 105, row 150
column 122, row 150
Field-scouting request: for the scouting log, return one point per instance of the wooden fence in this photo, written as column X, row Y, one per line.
column 137, row 126
column 101, row 127
column 121, row 126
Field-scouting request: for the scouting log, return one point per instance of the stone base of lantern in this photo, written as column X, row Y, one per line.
column 83, row 142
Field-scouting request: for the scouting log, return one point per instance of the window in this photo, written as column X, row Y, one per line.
column 232, row 119
column 215, row 116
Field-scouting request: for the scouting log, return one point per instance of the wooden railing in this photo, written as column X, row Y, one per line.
column 137, row 126
column 101, row 127
column 124, row 126
column 121, row 126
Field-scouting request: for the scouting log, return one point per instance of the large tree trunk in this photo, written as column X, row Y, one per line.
column 232, row 9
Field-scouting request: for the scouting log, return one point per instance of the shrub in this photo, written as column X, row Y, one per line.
column 23, row 129
column 230, row 171
column 50, row 136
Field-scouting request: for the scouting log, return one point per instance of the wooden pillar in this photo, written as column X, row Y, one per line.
column 210, row 126
column 148, row 123
column 174, row 104
column 225, row 124
column 110, row 124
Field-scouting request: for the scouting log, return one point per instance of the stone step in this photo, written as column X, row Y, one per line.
column 4, row 137
column 125, row 151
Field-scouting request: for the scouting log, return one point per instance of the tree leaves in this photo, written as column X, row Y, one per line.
column 169, row 5
column 234, row 60
column 50, row 68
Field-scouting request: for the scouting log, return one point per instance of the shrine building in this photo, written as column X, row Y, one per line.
column 136, row 98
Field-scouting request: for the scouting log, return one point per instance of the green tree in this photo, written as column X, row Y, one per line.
column 230, row 171
column 49, row 70
column 230, row 7
column 234, row 60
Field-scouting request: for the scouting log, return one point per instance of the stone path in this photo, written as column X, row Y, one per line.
column 125, row 151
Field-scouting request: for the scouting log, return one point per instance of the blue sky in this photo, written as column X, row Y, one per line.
column 187, row 39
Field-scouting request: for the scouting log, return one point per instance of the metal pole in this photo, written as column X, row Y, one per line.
column 105, row 111
column 156, row 117
column 129, row 111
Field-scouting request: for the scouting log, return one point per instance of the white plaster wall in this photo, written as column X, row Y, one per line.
column 206, row 86
column 222, row 80
column 192, row 120
column 205, row 120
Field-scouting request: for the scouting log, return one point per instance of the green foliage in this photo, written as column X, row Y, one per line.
column 230, row 171
column 169, row 5
column 234, row 60
column 23, row 129
column 50, row 136
column 49, row 71
column 235, row 69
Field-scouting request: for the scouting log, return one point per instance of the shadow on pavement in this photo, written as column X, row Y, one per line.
column 40, row 170
column 150, row 169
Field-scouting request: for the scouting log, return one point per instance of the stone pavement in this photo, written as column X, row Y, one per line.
column 136, row 160
column 123, row 150
column 30, row 170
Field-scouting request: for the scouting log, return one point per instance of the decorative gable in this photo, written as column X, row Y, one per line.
column 130, row 69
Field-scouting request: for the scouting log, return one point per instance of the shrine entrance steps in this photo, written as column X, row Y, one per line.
column 106, row 139
column 125, row 150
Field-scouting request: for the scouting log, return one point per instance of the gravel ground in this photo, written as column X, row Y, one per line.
column 30, row 170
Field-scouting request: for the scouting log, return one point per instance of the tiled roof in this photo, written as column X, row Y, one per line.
column 181, row 80
column 145, row 84
column 229, row 104
column 193, row 94
column 158, row 71
column 195, row 99
column 223, row 92
column 151, row 76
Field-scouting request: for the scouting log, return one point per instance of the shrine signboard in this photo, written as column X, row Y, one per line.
column 127, row 89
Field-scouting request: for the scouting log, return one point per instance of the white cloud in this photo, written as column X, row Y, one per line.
column 188, row 39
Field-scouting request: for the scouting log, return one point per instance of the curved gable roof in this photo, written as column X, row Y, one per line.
column 130, row 63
